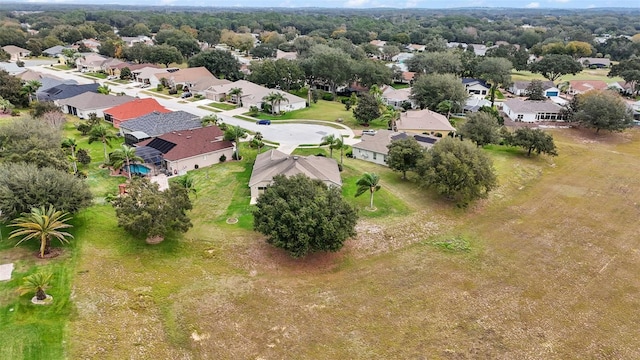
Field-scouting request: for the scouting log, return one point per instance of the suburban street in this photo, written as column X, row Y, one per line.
column 288, row 135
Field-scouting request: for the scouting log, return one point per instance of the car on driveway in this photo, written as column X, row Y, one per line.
column 144, row 86
column 186, row 95
column 263, row 122
column 368, row 132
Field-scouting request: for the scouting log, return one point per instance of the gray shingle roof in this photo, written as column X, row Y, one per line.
column 528, row 106
column 522, row 85
column 65, row 91
column 155, row 123
column 91, row 100
column 378, row 142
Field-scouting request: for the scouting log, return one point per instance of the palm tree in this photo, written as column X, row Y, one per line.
column 237, row 93
column 6, row 105
column 188, row 183
column 71, row 143
column 101, row 133
column 30, row 88
column 235, row 133
column 124, row 155
column 103, row 89
column 43, row 225
column 211, row 119
column 330, row 140
column 370, row 182
column 258, row 138
column 36, row 283
column 275, row 98
column 339, row 144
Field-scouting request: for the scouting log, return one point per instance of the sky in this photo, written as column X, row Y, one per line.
column 433, row 4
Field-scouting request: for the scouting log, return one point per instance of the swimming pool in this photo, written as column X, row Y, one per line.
column 137, row 169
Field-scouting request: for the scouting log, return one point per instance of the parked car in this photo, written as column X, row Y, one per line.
column 112, row 77
column 186, row 95
column 144, row 86
column 368, row 132
column 263, row 122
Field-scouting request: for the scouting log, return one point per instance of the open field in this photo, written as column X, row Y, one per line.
column 545, row 268
column 587, row 74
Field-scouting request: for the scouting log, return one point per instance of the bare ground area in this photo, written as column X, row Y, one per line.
column 551, row 273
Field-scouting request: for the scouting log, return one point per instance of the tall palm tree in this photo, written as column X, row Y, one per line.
column 124, row 155
column 30, row 88
column 211, row 119
column 43, row 224
column 103, row 89
column 235, row 133
column 275, row 98
column 237, row 93
column 330, row 140
column 103, row 134
column 36, row 283
column 368, row 182
column 72, row 144
column 339, row 144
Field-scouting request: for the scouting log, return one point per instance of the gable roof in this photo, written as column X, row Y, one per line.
column 134, row 67
column 136, row 108
column 586, row 85
column 520, row 106
column 156, row 123
column 65, row 91
column 49, row 81
column 91, row 100
column 273, row 162
column 54, row 50
column 188, row 75
column 377, row 142
column 426, row 120
column 471, row 81
column 594, row 61
column 178, row 145
column 286, row 55
column 397, row 94
column 12, row 68
column 12, row 49
column 252, row 91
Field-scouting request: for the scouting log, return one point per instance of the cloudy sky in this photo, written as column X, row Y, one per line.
column 434, row 4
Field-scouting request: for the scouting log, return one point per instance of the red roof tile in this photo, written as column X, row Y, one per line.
column 193, row 142
column 134, row 109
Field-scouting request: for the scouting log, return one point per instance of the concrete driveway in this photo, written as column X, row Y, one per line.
column 288, row 135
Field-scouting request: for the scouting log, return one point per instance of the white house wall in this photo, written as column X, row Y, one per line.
column 204, row 160
column 370, row 156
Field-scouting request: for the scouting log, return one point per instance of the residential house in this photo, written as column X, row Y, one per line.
column 415, row 47
column 598, row 63
column 397, row 97
column 91, row 44
column 286, row 55
column 157, row 123
column 184, row 150
column 476, row 87
column 30, row 75
column 131, row 110
column 532, row 111
column 146, row 75
column 195, row 80
column 64, row 91
column 374, row 148
column 405, row 77
column 48, row 82
column 54, row 51
column 519, row 88
column 12, row 68
column 273, row 162
column 378, row 43
column 110, row 64
column 90, row 62
column 84, row 104
column 474, row 104
column 582, row 86
column 252, row 95
column 115, row 69
column 478, row 49
column 16, row 52
column 129, row 41
column 424, row 121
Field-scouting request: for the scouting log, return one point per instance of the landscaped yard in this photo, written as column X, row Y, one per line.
column 96, row 75
column 325, row 110
column 222, row 106
column 546, row 267
column 587, row 74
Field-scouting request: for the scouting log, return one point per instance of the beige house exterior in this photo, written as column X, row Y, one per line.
column 273, row 162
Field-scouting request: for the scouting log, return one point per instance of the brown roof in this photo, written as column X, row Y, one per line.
column 423, row 120
column 194, row 142
column 586, row 85
column 376, row 143
column 135, row 66
column 12, row 49
column 273, row 162
column 190, row 75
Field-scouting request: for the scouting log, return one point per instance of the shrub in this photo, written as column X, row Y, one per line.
column 173, row 91
column 15, row 112
column 83, row 157
column 160, row 87
column 223, row 158
column 349, row 154
column 328, row 96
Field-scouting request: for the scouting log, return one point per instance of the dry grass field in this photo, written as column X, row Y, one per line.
column 546, row 268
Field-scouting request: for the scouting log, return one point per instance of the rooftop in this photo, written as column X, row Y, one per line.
column 273, row 162
column 178, row 145
column 136, row 108
column 156, row 123
column 423, row 120
column 530, row 106
column 92, row 100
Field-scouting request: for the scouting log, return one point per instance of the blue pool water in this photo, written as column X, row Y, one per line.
column 139, row 169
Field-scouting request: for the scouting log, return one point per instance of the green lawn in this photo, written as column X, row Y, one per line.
column 63, row 67
column 587, row 74
column 96, row 75
column 222, row 106
column 324, row 110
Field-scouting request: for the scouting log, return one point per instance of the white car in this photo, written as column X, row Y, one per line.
column 368, row 132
